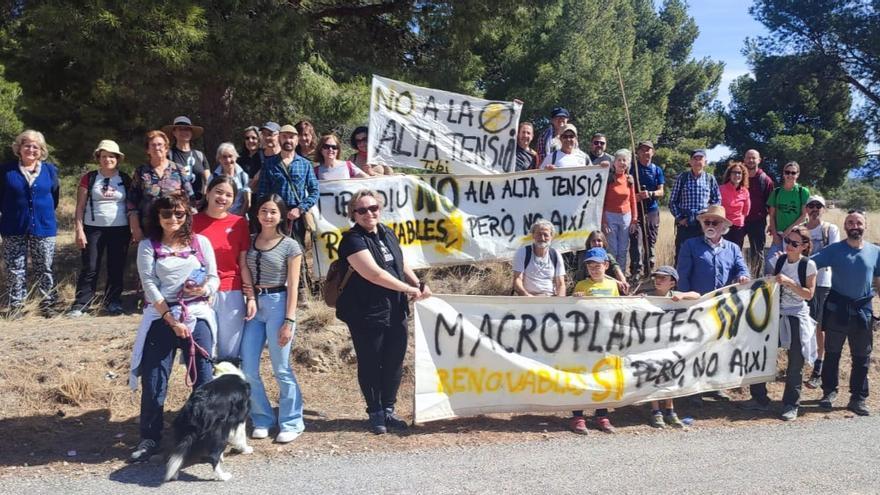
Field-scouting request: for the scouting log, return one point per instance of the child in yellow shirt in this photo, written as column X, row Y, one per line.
column 597, row 284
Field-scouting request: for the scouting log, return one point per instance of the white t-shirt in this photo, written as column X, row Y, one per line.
column 108, row 200
column 790, row 270
column 823, row 278
column 576, row 158
column 538, row 276
column 338, row 172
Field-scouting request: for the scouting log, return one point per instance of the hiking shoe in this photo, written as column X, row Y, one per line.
column 656, row 420
column 827, row 401
column 717, row 395
column 74, row 313
column 814, row 382
column 287, row 436
column 260, row 433
column 579, row 425
column 604, row 425
column 145, row 449
column 858, row 406
column 377, row 423
column 789, row 413
column 393, row 421
column 114, row 309
column 756, row 405
column 672, row 420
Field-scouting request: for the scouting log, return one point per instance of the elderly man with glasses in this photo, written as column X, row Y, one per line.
column 568, row 155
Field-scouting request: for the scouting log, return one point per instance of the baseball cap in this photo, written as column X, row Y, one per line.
column 645, row 143
column 666, row 270
column 559, row 112
column 816, row 199
column 596, row 254
column 569, row 127
column 272, row 127
column 289, row 128
column 698, row 152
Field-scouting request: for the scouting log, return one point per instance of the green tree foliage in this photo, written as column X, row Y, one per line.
column 858, row 194
column 844, row 34
column 796, row 108
column 115, row 68
column 10, row 125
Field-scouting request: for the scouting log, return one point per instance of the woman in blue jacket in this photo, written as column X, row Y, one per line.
column 29, row 191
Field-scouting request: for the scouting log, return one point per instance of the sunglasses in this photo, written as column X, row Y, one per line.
column 329, row 147
column 711, row 223
column 599, row 143
column 363, row 210
column 167, row 214
column 361, row 140
column 568, row 136
column 105, row 184
column 815, row 206
column 857, row 210
column 791, row 172
column 792, row 243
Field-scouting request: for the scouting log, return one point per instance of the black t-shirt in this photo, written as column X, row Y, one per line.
column 250, row 164
column 193, row 163
column 525, row 160
column 361, row 299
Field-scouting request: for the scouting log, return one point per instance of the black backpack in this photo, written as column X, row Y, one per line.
column 553, row 257
column 802, row 268
column 93, row 177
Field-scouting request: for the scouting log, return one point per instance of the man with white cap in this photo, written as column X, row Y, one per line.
column 693, row 192
column 568, row 154
column 192, row 161
column 822, row 234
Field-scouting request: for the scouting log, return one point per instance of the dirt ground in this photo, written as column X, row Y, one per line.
column 65, row 405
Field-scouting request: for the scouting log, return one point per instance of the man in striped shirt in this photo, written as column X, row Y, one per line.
column 693, row 192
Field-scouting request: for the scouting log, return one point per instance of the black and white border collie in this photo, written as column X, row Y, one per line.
column 213, row 417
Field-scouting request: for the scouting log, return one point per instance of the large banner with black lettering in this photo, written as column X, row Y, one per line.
column 417, row 127
column 450, row 220
column 479, row 354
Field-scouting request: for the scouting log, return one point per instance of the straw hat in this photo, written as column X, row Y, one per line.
column 715, row 211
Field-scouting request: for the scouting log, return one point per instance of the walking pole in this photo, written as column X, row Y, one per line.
column 646, row 258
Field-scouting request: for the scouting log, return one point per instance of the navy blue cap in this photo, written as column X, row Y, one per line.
column 559, row 112
column 271, row 126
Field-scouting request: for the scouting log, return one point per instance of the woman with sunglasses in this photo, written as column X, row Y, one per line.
column 787, row 208
column 229, row 235
column 327, row 164
column 359, row 139
column 796, row 274
column 101, row 229
column 250, row 160
column 374, row 306
column 179, row 276
column 736, row 200
column 274, row 261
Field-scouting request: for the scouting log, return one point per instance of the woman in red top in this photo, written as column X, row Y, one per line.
column 620, row 216
column 230, row 238
column 735, row 200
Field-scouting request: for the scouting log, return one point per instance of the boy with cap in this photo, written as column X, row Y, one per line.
column 597, row 284
column 665, row 278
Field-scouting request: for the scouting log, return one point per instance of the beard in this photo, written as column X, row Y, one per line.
column 711, row 232
column 288, row 147
column 855, row 234
column 542, row 244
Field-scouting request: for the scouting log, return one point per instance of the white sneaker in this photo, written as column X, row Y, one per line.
column 260, row 433
column 287, row 436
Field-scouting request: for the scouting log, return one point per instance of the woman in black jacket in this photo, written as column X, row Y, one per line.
column 374, row 305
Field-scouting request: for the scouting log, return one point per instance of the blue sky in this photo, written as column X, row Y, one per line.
column 724, row 27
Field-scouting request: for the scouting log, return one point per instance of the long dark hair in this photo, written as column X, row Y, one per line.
column 173, row 201
column 216, row 181
column 256, row 227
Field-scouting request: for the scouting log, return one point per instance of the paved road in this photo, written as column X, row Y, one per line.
column 832, row 456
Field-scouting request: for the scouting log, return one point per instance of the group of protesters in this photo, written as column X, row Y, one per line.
column 220, row 253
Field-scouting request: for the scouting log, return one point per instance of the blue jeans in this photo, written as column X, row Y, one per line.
column 618, row 239
column 159, row 351
column 263, row 328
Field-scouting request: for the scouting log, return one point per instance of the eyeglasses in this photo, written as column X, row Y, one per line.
column 599, row 143
column 167, row 214
column 329, row 147
column 361, row 140
column 711, row 223
column 105, row 184
column 791, row 172
column 815, row 206
column 363, row 210
column 793, row 243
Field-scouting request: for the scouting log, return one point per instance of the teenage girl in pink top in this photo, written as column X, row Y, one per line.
column 735, row 200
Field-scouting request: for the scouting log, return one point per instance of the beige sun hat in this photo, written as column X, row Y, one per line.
column 109, row 146
column 715, row 211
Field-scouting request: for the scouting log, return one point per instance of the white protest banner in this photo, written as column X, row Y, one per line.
column 417, row 127
column 449, row 220
column 480, row 354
